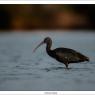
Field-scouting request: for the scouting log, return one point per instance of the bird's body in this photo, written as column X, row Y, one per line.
column 63, row 55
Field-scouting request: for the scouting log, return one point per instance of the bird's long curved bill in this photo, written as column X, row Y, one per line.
column 38, row 46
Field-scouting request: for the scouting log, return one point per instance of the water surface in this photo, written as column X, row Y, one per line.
column 21, row 69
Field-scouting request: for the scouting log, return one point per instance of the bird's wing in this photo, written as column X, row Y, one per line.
column 69, row 54
column 70, row 57
column 61, row 56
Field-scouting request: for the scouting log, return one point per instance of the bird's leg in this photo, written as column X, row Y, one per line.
column 66, row 64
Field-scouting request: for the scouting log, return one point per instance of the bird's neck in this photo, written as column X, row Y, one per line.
column 48, row 48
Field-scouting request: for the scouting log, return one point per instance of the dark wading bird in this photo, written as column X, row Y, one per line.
column 63, row 55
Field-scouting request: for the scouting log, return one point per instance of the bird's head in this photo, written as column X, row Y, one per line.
column 46, row 40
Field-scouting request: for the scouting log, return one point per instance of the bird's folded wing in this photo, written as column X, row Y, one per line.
column 60, row 55
column 67, row 56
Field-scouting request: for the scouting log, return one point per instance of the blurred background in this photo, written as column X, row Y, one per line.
column 47, row 16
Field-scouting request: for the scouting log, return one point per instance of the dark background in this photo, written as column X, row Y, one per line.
column 47, row 16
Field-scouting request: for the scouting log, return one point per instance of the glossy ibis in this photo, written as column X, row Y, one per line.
column 63, row 55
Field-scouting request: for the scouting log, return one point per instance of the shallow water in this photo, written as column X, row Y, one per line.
column 21, row 69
